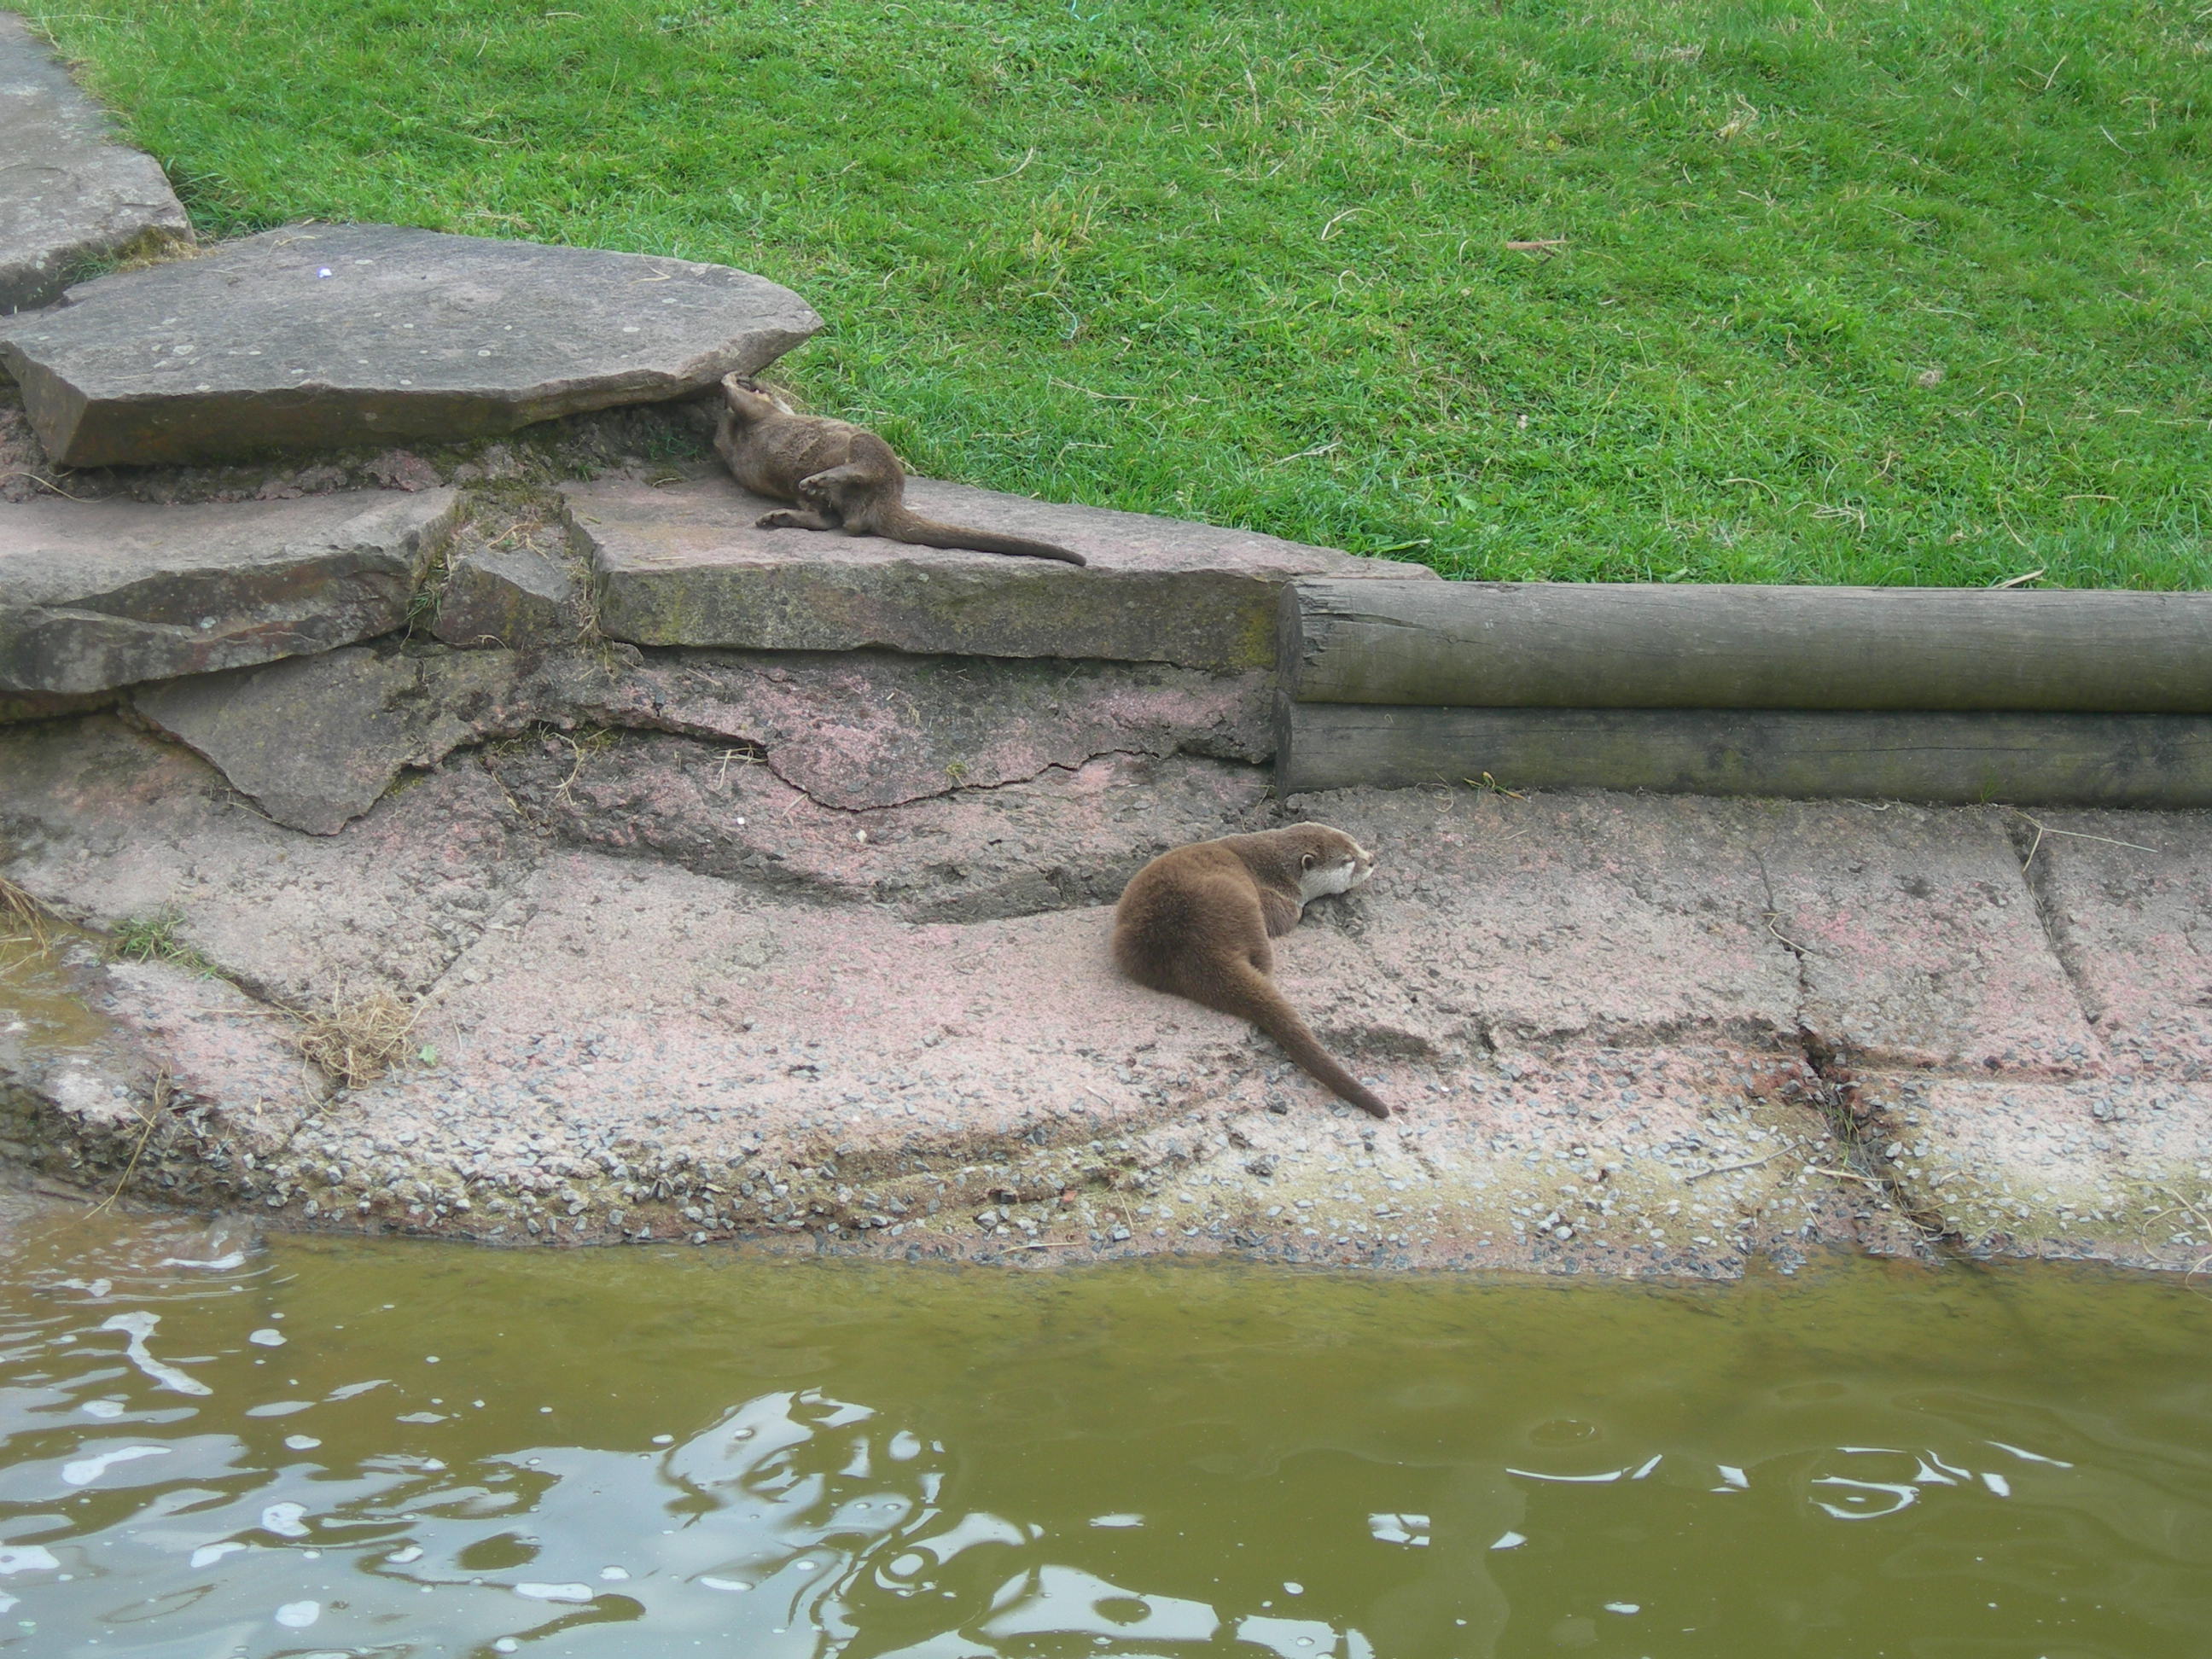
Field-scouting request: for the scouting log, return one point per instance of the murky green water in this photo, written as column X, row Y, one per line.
column 337, row 1447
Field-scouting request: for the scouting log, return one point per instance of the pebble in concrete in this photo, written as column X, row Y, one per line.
column 333, row 336
column 99, row 594
column 685, row 566
column 69, row 192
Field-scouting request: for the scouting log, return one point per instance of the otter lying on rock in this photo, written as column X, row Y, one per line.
column 1195, row 922
column 842, row 477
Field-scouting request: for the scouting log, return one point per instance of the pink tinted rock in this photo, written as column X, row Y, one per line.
column 316, row 740
column 107, row 823
column 859, row 729
column 1920, row 941
column 1069, row 835
column 1568, row 918
column 821, row 1067
column 220, row 1049
column 2130, row 898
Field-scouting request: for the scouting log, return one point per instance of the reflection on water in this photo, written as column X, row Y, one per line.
column 348, row 1448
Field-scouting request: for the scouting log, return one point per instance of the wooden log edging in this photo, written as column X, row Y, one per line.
column 1943, row 757
column 1561, row 645
column 1945, row 695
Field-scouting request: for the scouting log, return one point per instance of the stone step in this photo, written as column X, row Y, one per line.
column 683, row 565
column 319, row 337
column 69, row 192
column 99, row 594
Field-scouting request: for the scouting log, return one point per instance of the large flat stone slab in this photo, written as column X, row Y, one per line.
column 332, row 336
column 69, row 192
column 1572, row 919
column 685, row 566
column 97, row 594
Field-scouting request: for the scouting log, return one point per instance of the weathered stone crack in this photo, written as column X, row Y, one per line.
column 2028, row 836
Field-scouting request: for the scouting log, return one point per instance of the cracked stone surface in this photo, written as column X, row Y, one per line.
column 664, row 993
column 2116, row 1169
column 315, row 741
column 1069, row 835
column 2129, row 900
column 110, row 823
column 1922, row 945
column 324, row 336
column 683, row 565
column 99, row 594
column 69, row 192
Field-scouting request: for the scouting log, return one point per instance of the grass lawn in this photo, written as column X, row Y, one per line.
column 1894, row 291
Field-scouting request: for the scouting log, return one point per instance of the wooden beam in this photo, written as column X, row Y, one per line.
column 2026, row 759
column 1548, row 645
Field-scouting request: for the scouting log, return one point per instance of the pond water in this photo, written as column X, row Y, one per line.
column 345, row 1447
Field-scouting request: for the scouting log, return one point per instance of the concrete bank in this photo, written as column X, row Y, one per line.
column 658, row 989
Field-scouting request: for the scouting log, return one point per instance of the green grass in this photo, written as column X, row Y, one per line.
column 157, row 937
column 1889, row 291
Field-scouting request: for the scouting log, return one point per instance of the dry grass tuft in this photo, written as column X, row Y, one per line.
column 356, row 1038
column 21, row 920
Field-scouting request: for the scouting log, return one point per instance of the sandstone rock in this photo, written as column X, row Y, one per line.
column 1921, row 944
column 317, row 740
column 98, row 594
column 1587, row 1009
column 685, row 566
column 1593, row 918
column 1070, row 835
column 50, row 705
column 103, row 822
column 516, row 597
column 329, row 336
column 875, row 728
column 2129, row 897
column 69, row 192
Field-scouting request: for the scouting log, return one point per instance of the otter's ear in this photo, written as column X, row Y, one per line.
column 1305, row 861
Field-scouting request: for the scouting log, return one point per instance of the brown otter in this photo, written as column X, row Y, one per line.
column 840, row 476
column 1195, row 922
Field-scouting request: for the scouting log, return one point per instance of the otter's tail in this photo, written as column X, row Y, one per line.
column 1253, row 997
column 909, row 527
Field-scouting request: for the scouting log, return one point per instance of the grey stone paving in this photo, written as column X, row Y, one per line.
column 69, row 192
column 320, row 336
column 685, row 566
column 99, row 594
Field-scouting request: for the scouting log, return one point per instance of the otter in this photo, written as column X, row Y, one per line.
column 1195, row 922
column 840, row 476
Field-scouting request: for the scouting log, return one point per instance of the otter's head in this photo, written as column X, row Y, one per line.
column 1329, row 861
column 748, row 399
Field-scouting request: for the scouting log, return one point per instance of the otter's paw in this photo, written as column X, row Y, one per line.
column 778, row 520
